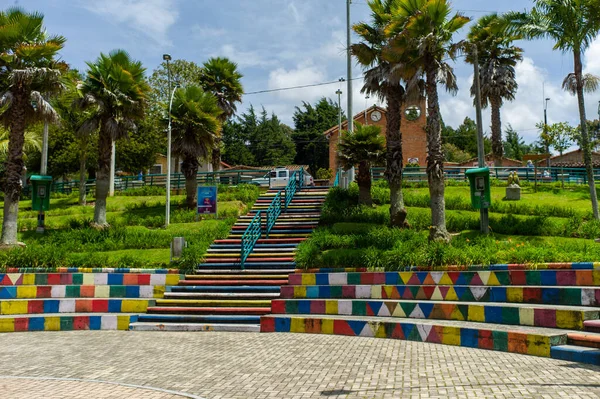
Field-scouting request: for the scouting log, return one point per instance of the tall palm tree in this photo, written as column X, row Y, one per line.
column 196, row 128
column 221, row 77
column 428, row 26
column 365, row 147
column 114, row 92
column 572, row 25
column 497, row 60
column 73, row 120
column 385, row 70
column 27, row 69
column 32, row 141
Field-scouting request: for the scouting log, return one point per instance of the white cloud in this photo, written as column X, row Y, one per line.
column 592, row 58
column 203, row 32
column 244, row 58
column 304, row 74
column 151, row 17
column 335, row 48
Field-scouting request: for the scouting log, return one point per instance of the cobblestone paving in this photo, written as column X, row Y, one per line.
column 246, row 365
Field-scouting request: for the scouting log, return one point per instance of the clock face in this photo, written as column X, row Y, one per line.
column 375, row 116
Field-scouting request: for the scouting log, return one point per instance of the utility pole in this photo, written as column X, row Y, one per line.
column 546, row 130
column 483, row 211
column 366, row 108
column 167, row 58
column 337, row 147
column 349, row 95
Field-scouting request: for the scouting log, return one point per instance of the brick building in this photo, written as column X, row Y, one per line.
column 571, row 159
column 414, row 141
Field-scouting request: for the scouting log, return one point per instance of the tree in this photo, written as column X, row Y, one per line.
column 185, row 73
column 115, row 93
column 272, row 142
column 464, row 137
column 310, row 122
column 572, row 25
column 386, row 68
column 221, row 77
column 196, row 126
column 454, row 154
column 28, row 68
column 559, row 136
column 236, row 139
column 497, row 60
column 514, row 146
column 139, row 151
column 32, row 142
column 365, row 147
column 428, row 27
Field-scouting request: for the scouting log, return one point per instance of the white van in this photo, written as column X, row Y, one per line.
column 279, row 177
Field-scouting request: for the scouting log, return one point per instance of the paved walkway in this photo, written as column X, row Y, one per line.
column 247, row 365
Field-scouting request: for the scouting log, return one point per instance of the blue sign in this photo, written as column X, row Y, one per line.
column 207, row 200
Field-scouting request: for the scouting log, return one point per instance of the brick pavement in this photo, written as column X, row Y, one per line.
column 246, row 365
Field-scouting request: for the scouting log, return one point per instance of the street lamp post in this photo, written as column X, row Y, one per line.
column 546, row 129
column 339, row 94
column 167, row 58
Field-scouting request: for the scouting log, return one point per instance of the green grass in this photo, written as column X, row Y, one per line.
column 136, row 237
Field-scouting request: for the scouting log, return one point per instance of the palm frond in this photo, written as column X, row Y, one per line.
column 589, row 83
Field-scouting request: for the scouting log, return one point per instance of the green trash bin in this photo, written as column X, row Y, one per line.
column 40, row 193
column 479, row 180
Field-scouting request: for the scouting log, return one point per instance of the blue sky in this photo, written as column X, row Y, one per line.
column 282, row 43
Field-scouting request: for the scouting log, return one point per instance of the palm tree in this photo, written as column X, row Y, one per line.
column 572, row 25
column 27, row 69
column 32, row 141
column 497, row 60
column 221, row 77
column 427, row 27
column 114, row 92
column 384, row 73
column 196, row 129
column 365, row 147
column 73, row 120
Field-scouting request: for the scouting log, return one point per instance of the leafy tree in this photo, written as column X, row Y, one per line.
column 497, row 60
column 139, row 151
column 185, row 73
column 572, row 25
column 559, row 136
column 221, row 77
column 454, row 154
column 196, row 126
column 64, row 157
column 32, row 142
column 514, row 145
column 386, row 67
column 236, row 139
column 115, row 93
column 428, row 26
column 28, row 68
column 310, row 122
column 365, row 147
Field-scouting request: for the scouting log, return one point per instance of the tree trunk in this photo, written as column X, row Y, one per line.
column 102, row 177
column 14, row 169
column 585, row 141
column 216, row 156
column 82, row 170
column 393, row 170
column 364, row 183
column 189, row 167
column 497, row 149
column 435, row 159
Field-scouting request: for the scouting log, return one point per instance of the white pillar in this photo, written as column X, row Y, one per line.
column 111, row 187
column 44, row 167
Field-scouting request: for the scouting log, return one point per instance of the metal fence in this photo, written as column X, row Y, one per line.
column 542, row 175
column 228, row 177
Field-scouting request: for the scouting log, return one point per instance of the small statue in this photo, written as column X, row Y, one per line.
column 513, row 179
column 513, row 191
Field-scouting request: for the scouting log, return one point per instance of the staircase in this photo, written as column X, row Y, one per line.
column 223, row 295
column 552, row 312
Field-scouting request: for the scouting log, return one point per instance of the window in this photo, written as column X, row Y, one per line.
column 282, row 173
column 156, row 169
column 273, row 174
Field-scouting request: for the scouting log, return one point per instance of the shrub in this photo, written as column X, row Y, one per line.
column 324, row 174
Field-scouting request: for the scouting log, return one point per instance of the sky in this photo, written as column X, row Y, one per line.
column 285, row 43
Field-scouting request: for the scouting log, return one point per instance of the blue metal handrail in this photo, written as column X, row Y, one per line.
column 336, row 182
column 273, row 212
column 295, row 183
column 250, row 237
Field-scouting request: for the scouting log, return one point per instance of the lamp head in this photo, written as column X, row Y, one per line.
column 167, row 57
column 547, row 98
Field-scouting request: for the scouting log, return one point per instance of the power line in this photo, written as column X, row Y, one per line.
column 296, row 87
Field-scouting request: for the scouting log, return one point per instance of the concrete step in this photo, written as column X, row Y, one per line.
column 557, row 277
column 590, row 340
column 81, row 291
column 191, row 318
column 66, row 322
column 276, row 266
column 252, row 255
column 255, row 259
column 255, row 250
column 516, row 339
column 221, row 295
column 194, row 327
column 44, row 279
column 232, row 283
column 264, row 240
column 573, row 353
column 548, row 316
column 234, row 274
column 290, row 247
column 209, row 310
column 71, row 305
column 225, row 288
column 249, row 272
column 227, row 303
column 572, row 296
